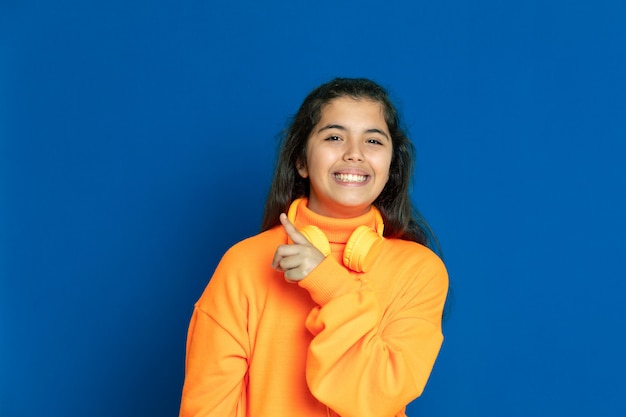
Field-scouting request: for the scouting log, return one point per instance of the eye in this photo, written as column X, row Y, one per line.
column 374, row 141
column 333, row 138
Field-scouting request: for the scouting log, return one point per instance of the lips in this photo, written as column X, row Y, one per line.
column 348, row 178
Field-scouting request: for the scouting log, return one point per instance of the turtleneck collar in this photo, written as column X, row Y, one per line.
column 336, row 230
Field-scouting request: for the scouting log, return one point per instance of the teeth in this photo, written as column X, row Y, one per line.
column 350, row 177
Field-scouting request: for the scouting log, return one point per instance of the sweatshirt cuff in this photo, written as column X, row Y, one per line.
column 329, row 280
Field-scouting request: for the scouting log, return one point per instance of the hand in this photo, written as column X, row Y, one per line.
column 297, row 259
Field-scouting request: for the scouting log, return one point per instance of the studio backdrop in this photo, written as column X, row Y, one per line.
column 137, row 143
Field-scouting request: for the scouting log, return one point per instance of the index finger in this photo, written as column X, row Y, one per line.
column 293, row 233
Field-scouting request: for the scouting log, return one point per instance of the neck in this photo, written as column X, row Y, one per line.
column 338, row 230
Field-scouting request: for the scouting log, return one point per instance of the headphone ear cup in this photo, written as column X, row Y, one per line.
column 317, row 238
column 312, row 233
column 362, row 249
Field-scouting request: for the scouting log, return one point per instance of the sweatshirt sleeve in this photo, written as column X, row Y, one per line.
column 367, row 359
column 217, row 350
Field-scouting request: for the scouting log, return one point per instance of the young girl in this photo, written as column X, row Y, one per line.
column 335, row 308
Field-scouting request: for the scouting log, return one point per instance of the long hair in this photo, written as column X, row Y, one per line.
column 401, row 218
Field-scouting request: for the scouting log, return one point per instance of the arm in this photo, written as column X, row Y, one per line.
column 367, row 359
column 217, row 351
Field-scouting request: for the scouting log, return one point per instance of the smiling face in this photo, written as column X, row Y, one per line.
column 348, row 155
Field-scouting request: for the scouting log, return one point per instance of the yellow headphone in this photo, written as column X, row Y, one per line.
column 362, row 248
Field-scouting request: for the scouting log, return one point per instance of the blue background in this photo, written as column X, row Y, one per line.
column 137, row 142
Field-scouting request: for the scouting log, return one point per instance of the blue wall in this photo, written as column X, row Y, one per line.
column 137, row 141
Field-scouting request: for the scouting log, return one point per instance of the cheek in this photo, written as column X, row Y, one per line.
column 316, row 161
column 385, row 167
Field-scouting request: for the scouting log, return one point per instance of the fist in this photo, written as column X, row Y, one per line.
column 296, row 259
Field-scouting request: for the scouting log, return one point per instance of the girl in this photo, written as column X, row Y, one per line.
column 335, row 308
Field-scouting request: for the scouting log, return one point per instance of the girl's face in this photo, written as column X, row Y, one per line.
column 348, row 155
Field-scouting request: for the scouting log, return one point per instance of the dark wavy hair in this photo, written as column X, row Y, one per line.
column 401, row 218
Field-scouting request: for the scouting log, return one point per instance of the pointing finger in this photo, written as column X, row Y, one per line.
column 292, row 232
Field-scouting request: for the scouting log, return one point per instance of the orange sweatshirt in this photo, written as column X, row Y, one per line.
column 336, row 343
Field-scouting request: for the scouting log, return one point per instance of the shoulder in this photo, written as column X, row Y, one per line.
column 414, row 260
column 412, row 252
column 245, row 268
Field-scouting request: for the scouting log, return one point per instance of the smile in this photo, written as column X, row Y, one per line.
column 350, row 177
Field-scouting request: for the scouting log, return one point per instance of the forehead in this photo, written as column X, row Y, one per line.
column 357, row 109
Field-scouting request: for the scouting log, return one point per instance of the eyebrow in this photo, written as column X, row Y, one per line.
column 340, row 127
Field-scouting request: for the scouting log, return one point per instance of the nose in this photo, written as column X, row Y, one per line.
column 353, row 153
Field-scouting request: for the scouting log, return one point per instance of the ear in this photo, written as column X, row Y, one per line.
column 302, row 169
